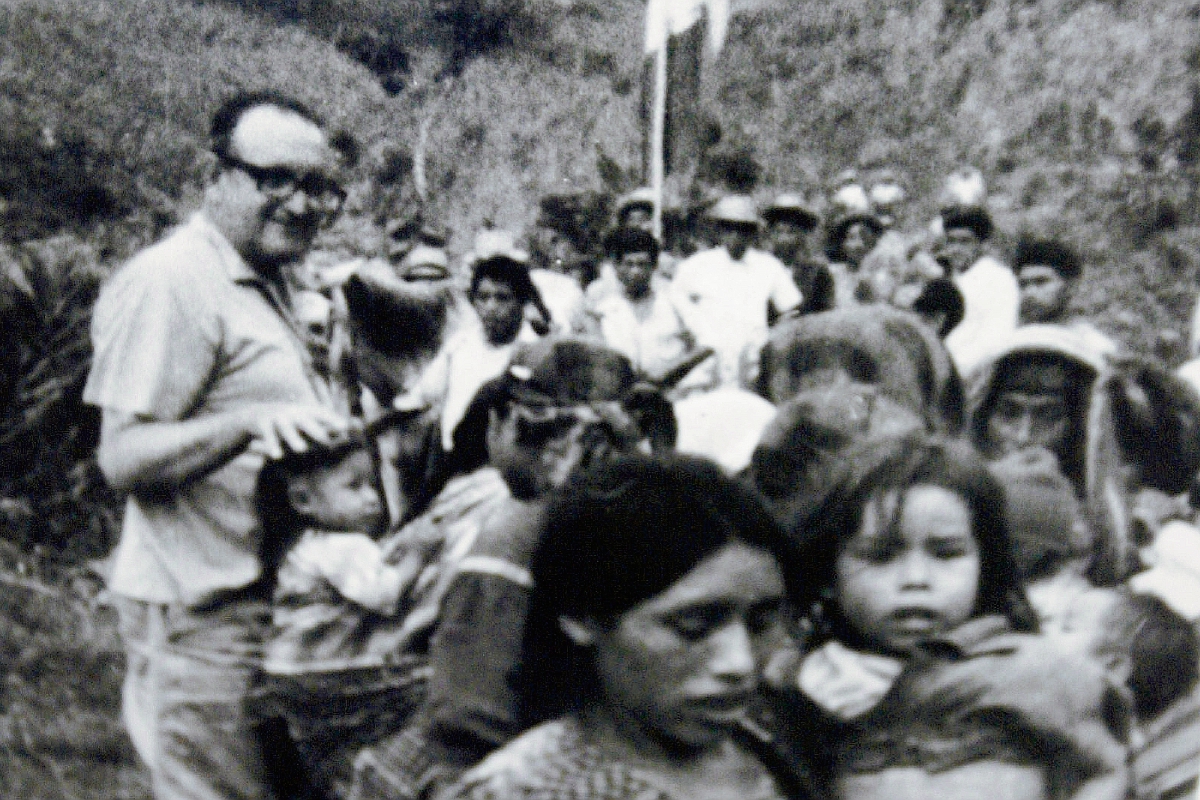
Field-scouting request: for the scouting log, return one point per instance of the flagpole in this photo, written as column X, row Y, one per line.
column 658, row 128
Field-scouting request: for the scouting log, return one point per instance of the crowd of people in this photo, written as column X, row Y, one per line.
column 793, row 502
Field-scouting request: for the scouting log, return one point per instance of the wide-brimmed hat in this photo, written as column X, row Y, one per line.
column 851, row 198
column 491, row 243
column 886, row 196
column 887, row 193
column 964, row 186
column 424, row 263
column 641, row 197
column 735, row 209
column 842, row 223
column 792, row 206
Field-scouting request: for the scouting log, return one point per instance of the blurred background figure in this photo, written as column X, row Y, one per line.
column 853, row 232
column 728, row 294
column 791, row 222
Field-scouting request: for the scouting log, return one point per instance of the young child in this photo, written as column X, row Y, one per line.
column 1154, row 653
column 337, row 593
column 923, row 676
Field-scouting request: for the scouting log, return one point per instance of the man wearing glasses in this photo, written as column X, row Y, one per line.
column 201, row 371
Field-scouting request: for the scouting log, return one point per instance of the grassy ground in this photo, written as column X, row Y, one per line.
column 60, row 733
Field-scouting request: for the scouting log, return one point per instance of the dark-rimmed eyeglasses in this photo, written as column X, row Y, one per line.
column 282, row 182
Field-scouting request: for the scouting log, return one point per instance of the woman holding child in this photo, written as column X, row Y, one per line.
column 923, row 675
column 659, row 590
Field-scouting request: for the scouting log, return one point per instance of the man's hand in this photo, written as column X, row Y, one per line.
column 140, row 454
column 280, row 428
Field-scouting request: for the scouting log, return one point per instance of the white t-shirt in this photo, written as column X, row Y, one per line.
column 563, row 298
column 724, row 303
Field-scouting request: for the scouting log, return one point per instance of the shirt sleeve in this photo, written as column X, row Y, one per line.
column 155, row 342
column 353, row 564
column 684, row 295
column 474, row 701
column 784, row 294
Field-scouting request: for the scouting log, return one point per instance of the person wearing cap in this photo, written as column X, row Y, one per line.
column 636, row 210
column 728, row 293
column 991, row 297
column 851, row 238
column 791, row 222
column 562, row 403
column 501, row 288
column 887, row 197
column 899, row 265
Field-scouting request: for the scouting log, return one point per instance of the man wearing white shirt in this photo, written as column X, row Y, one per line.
column 727, row 294
column 991, row 296
column 500, row 289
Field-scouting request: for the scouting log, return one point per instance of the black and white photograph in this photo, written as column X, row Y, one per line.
column 600, row 399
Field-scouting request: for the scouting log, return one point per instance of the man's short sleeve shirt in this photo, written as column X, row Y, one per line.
column 187, row 329
column 725, row 302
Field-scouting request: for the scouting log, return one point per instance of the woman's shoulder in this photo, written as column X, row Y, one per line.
column 551, row 762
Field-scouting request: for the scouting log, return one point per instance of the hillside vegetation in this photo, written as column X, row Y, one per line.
column 1081, row 114
column 1084, row 116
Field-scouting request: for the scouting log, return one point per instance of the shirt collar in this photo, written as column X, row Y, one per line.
column 232, row 263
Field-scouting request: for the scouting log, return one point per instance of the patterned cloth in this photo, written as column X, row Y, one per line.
column 980, row 698
column 361, row 675
column 554, row 762
column 331, row 716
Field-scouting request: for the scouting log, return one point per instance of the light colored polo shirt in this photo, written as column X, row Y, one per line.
column 724, row 304
column 184, row 330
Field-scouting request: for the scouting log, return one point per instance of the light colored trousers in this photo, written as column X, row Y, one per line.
column 185, row 700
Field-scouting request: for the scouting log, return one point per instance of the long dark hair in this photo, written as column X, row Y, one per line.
column 617, row 534
column 899, row 464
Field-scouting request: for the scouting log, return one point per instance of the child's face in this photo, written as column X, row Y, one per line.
column 341, row 497
column 912, row 570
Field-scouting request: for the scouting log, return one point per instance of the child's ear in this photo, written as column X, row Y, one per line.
column 300, row 497
column 582, row 633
